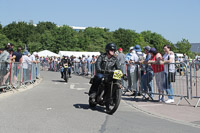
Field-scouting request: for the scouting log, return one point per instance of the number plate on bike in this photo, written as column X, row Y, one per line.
column 117, row 74
column 65, row 66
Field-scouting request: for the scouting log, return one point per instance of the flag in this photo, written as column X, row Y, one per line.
column 25, row 47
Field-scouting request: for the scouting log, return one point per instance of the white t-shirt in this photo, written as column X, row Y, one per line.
column 171, row 66
column 32, row 57
column 26, row 61
column 134, row 58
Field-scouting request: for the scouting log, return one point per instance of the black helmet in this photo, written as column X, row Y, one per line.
column 111, row 46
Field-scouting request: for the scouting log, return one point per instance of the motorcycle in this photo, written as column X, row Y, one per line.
column 109, row 92
column 65, row 73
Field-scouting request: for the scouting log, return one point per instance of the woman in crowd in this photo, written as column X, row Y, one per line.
column 168, row 57
column 158, row 70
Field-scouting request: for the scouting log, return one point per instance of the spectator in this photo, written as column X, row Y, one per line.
column 4, row 57
column 26, row 61
column 121, row 59
column 93, row 61
column 168, row 58
column 147, row 79
column 141, row 67
column 18, row 55
column 83, row 64
column 89, row 59
column 131, row 58
column 158, row 70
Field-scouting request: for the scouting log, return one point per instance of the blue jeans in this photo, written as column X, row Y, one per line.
column 169, row 89
column 147, row 82
column 89, row 68
column 36, row 70
column 97, row 81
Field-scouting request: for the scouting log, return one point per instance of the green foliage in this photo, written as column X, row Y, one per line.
column 183, row 46
column 3, row 40
column 127, row 38
column 1, row 27
column 47, row 35
column 156, row 40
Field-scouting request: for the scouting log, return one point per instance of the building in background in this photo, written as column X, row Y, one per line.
column 195, row 47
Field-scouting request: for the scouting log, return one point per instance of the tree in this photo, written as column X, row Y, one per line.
column 18, row 31
column 127, row 38
column 155, row 40
column 183, row 46
column 44, row 26
column 3, row 40
column 94, row 39
column 1, row 27
column 66, row 38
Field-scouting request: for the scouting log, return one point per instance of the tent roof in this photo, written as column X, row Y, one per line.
column 47, row 53
column 77, row 53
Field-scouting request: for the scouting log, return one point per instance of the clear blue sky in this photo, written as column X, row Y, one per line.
column 174, row 19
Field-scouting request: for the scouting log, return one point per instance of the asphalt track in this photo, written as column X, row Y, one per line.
column 54, row 106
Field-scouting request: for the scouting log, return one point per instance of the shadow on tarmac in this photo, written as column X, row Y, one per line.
column 57, row 80
column 87, row 107
column 138, row 99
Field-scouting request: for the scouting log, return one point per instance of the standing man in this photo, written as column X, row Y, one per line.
column 121, row 59
column 18, row 55
column 131, row 58
column 147, row 79
column 89, row 59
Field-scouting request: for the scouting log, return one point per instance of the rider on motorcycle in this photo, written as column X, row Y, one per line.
column 105, row 63
column 67, row 61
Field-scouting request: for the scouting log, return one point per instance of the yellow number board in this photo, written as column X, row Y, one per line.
column 117, row 74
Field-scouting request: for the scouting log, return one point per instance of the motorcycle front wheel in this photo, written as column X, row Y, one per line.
column 112, row 106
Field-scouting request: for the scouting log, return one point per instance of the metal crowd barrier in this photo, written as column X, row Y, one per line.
column 13, row 75
column 180, row 86
column 195, row 81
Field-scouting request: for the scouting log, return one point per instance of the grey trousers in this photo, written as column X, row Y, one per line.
column 132, row 80
column 123, row 68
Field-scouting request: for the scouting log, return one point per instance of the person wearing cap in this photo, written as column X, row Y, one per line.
column 121, row 59
column 141, row 67
column 158, row 70
column 147, row 79
column 131, row 58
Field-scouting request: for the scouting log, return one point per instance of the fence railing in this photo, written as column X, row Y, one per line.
column 195, row 81
column 13, row 75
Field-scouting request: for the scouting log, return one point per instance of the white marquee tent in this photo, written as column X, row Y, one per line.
column 46, row 53
column 77, row 54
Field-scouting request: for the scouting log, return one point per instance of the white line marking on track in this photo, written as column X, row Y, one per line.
column 81, row 89
column 72, row 86
column 150, row 105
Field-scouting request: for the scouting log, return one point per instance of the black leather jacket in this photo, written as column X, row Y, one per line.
column 64, row 61
column 104, row 65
